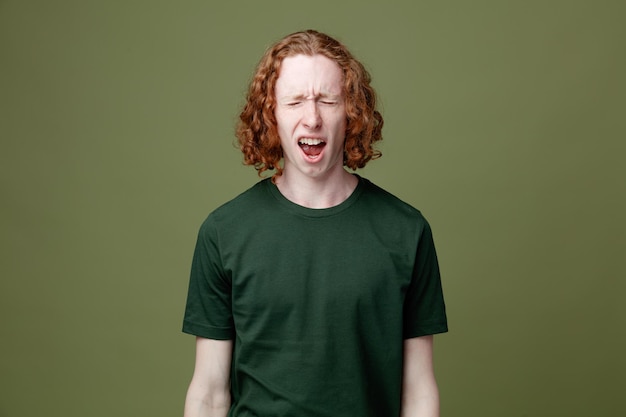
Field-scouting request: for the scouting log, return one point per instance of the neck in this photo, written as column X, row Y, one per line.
column 317, row 193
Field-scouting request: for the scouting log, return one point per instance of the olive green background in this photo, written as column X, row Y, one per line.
column 504, row 124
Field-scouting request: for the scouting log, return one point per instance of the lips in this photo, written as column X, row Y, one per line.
column 312, row 147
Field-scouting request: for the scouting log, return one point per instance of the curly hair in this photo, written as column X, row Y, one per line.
column 257, row 128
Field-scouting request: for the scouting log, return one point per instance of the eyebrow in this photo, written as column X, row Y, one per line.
column 316, row 97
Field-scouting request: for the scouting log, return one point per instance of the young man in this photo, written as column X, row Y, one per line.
column 314, row 293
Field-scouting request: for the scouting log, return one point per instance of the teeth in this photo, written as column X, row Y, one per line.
column 310, row 141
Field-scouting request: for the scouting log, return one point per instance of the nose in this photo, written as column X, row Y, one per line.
column 311, row 117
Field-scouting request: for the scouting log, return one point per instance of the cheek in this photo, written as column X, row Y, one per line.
column 341, row 123
column 336, row 120
column 283, row 123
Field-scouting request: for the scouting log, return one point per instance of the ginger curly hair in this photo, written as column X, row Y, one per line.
column 257, row 128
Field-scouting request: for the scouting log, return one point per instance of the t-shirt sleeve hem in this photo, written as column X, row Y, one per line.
column 208, row 332
column 426, row 330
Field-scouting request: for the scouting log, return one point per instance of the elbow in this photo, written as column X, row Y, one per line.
column 201, row 401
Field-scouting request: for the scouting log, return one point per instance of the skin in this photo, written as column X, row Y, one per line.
column 209, row 391
column 420, row 394
column 310, row 104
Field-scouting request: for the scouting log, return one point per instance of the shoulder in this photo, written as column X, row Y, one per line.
column 253, row 197
column 242, row 208
column 384, row 203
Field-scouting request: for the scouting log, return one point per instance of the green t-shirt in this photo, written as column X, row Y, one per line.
column 317, row 301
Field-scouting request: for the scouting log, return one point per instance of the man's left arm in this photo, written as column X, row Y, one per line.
column 420, row 395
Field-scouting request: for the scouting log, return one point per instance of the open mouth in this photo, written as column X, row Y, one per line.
column 311, row 147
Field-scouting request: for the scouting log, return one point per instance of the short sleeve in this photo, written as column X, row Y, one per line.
column 424, row 307
column 208, row 311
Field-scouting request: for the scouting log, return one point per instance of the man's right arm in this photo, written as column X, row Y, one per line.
column 209, row 391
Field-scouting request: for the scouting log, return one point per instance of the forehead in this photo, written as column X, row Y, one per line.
column 306, row 75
